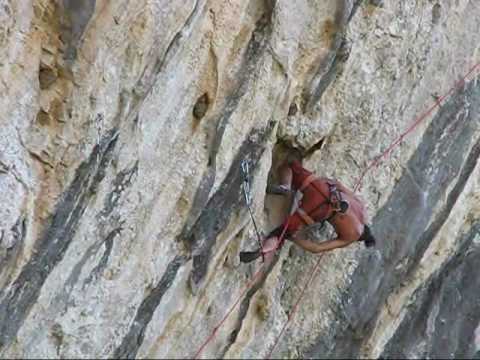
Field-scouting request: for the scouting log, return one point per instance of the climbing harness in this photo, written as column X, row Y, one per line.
column 336, row 199
column 374, row 163
column 248, row 200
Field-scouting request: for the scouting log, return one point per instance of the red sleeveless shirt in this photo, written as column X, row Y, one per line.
column 315, row 201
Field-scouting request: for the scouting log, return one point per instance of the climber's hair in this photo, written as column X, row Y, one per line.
column 367, row 237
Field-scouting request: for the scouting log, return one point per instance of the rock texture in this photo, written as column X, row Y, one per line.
column 123, row 129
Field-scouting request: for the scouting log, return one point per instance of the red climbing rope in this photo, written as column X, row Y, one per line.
column 294, row 309
column 215, row 329
column 374, row 163
column 245, row 288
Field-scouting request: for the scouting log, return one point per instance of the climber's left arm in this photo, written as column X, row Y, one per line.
column 316, row 248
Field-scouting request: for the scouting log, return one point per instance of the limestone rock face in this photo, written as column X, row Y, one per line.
column 123, row 128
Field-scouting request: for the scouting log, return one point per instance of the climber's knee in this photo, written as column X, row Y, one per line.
column 286, row 175
column 269, row 248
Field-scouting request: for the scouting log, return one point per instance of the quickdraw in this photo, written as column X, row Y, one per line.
column 248, row 200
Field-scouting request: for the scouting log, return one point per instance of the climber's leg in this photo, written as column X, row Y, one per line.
column 286, row 176
column 269, row 248
column 285, row 185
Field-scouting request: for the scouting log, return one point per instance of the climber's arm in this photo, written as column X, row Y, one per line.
column 316, row 248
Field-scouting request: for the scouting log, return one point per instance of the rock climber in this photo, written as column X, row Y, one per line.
column 317, row 199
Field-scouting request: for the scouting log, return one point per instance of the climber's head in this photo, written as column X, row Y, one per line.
column 367, row 237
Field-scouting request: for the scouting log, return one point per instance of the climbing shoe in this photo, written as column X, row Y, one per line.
column 278, row 189
column 248, row 256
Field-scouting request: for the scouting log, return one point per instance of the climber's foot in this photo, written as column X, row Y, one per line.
column 278, row 189
column 248, row 256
